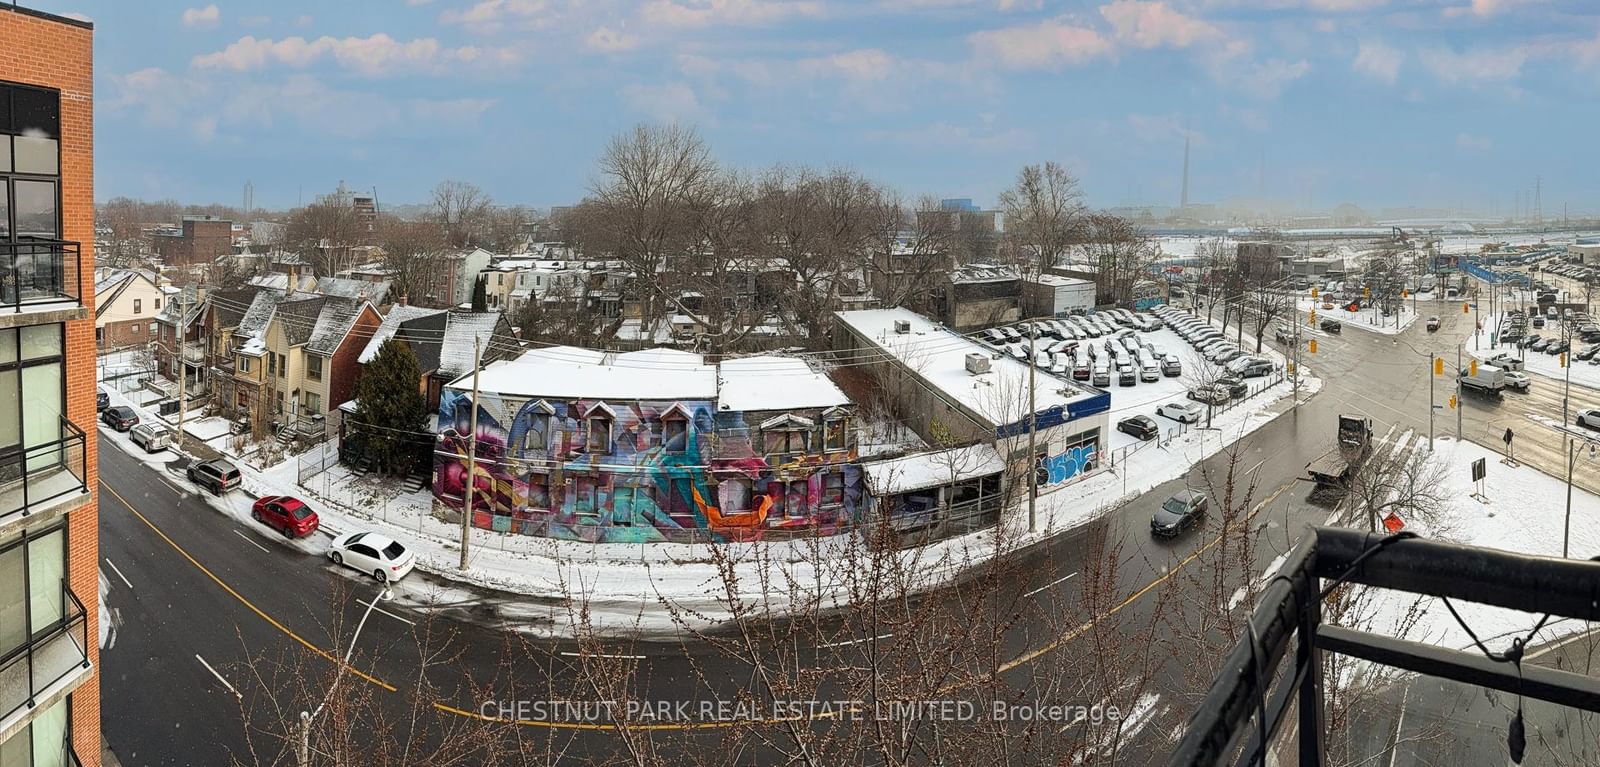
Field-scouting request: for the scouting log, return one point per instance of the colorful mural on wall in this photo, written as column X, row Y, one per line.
column 1060, row 468
column 612, row 472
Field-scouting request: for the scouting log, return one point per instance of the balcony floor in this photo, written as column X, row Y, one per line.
column 61, row 481
column 53, row 663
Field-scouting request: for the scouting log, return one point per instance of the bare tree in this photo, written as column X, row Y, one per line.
column 1397, row 481
column 907, row 257
column 1268, row 303
column 1120, row 252
column 413, row 256
column 324, row 231
column 1044, row 211
column 463, row 210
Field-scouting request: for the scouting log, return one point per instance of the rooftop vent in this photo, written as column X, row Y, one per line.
column 902, row 326
column 977, row 364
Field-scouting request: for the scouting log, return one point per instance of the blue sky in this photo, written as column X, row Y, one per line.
column 1379, row 102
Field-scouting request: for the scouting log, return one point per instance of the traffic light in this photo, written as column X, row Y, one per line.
column 1438, row 366
column 1473, row 368
column 1465, row 308
column 1405, row 293
column 1313, row 346
column 1366, row 290
column 1563, row 359
column 1452, row 402
column 1312, row 317
column 1313, row 292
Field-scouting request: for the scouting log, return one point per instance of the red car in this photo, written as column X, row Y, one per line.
column 286, row 514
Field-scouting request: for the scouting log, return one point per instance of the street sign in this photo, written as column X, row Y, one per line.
column 1508, row 436
column 1478, row 469
column 1392, row 523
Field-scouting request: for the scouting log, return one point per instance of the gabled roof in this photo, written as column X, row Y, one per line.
column 443, row 342
column 375, row 291
column 111, row 284
column 391, row 322
column 230, row 306
column 334, row 322
column 299, row 317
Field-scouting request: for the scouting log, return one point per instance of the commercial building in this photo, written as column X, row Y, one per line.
column 49, row 560
column 1053, row 295
column 981, row 295
column 196, row 240
column 652, row 445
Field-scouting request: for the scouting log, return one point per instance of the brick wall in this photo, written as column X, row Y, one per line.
column 343, row 366
column 59, row 54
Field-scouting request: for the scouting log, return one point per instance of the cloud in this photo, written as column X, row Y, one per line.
column 669, row 102
column 610, row 40
column 1474, row 66
column 376, row 55
column 1264, row 80
column 1485, row 8
column 999, row 5
column 705, row 13
column 1156, row 25
column 1470, row 143
column 202, row 17
column 1048, row 44
column 1378, row 61
column 495, row 12
column 1162, row 129
column 255, row 21
column 415, row 3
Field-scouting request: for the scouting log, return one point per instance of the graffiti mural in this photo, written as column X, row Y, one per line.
column 614, row 472
column 1060, row 468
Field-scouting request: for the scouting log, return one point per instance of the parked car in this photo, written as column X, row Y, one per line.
column 1588, row 352
column 1080, row 373
column 151, row 437
column 121, row 417
column 286, row 514
column 215, row 475
column 1140, row 426
column 1433, row 324
column 383, row 558
column 1539, row 344
column 1126, row 376
column 1227, row 355
column 1589, row 419
column 1250, row 367
column 1183, row 509
column 1102, row 375
column 1150, row 372
column 1208, row 395
column 1235, row 387
column 1182, row 412
column 1331, row 326
column 102, row 401
column 1556, row 347
column 1171, row 367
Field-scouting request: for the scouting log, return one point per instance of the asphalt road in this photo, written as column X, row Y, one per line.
column 199, row 603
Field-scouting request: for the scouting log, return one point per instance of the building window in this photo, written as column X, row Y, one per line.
column 272, row 364
column 135, row 327
column 833, row 434
column 138, row 305
column 583, row 501
column 799, row 501
column 244, row 364
column 152, row 328
column 622, row 506
column 538, row 492
column 599, row 435
column 536, row 438
column 313, row 367
column 678, row 495
column 733, row 495
column 32, row 594
column 158, row 305
column 833, row 488
column 283, row 365
column 32, row 399
column 313, row 402
column 675, row 433
column 787, row 440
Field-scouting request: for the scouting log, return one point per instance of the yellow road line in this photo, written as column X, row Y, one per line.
column 240, row 597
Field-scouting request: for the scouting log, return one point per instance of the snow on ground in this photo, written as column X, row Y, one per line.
column 1366, row 319
column 1524, row 513
column 1584, row 372
column 624, row 583
column 207, row 428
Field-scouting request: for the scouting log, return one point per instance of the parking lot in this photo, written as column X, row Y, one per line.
column 1062, row 349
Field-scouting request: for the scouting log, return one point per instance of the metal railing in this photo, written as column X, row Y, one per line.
column 50, row 655
column 1252, row 696
column 33, row 475
column 36, row 272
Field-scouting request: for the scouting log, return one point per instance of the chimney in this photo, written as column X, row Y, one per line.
column 402, row 300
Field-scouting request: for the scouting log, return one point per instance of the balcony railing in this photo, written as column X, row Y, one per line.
column 1253, row 697
column 37, row 474
column 46, row 658
column 39, row 272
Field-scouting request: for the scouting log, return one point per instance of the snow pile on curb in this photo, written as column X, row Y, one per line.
column 1366, row 319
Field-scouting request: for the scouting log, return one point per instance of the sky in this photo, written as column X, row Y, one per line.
column 1381, row 103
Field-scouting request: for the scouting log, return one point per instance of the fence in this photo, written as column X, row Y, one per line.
column 318, row 459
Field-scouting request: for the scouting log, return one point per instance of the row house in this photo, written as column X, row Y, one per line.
column 442, row 340
column 652, row 445
column 129, row 301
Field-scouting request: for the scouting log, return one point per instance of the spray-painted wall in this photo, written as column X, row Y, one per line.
column 653, row 471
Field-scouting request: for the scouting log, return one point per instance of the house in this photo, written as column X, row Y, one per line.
column 651, row 445
column 452, row 285
column 128, row 301
column 443, row 342
column 196, row 240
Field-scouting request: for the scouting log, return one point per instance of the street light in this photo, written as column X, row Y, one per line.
column 308, row 717
column 1572, row 459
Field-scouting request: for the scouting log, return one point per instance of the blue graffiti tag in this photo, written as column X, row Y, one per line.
column 1060, row 468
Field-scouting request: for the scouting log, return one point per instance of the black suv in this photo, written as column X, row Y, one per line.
column 1331, row 326
column 121, row 417
column 215, row 475
column 102, row 401
column 1139, row 426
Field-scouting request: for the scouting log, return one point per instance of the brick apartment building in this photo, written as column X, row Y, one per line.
column 49, row 549
column 198, row 240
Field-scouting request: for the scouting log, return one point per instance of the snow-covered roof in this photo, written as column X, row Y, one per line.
column 975, row 273
column 455, row 353
column 536, row 374
column 566, row 354
column 1057, row 281
column 663, row 357
column 938, row 356
column 931, row 469
column 391, row 322
column 334, row 321
column 775, row 383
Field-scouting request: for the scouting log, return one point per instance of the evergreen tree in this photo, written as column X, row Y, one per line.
column 480, row 294
column 387, row 399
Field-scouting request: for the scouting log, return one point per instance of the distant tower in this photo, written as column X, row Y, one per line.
column 1538, row 199
column 249, row 197
column 1183, row 201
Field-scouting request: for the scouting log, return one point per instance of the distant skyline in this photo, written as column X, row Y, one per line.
column 1428, row 103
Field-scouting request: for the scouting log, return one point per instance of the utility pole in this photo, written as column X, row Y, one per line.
column 1460, row 405
column 472, row 452
column 1033, row 423
column 183, row 362
column 1431, row 407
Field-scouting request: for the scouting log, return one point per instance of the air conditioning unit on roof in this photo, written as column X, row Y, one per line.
column 902, row 326
column 977, row 363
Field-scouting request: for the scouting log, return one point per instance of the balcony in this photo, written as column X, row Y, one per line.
column 46, row 665
column 33, row 476
column 194, row 352
column 39, row 274
column 1263, row 710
